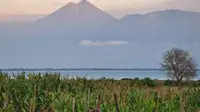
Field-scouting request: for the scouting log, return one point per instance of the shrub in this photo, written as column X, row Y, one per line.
column 148, row 82
column 168, row 83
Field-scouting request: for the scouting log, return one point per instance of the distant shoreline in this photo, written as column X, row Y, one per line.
column 84, row 69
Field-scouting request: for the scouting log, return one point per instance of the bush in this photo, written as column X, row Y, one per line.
column 136, row 79
column 127, row 79
column 168, row 83
column 148, row 82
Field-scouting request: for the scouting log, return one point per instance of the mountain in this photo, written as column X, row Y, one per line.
column 72, row 21
column 168, row 25
column 82, row 14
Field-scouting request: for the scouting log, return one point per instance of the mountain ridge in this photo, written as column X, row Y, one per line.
column 173, row 25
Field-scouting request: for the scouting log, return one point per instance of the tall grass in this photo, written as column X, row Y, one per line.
column 50, row 92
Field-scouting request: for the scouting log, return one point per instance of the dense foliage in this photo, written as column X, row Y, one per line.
column 40, row 92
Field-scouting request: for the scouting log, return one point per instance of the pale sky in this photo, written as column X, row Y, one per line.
column 114, row 7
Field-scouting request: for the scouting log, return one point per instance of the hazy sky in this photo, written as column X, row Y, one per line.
column 114, row 7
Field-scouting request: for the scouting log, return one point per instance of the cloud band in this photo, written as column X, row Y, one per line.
column 98, row 43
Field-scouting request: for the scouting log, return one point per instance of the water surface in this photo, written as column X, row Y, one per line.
column 116, row 74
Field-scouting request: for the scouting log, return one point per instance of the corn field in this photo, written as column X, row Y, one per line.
column 49, row 92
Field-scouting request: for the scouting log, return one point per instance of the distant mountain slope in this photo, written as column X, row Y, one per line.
column 8, row 19
column 169, row 25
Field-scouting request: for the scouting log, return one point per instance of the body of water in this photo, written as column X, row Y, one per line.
column 116, row 74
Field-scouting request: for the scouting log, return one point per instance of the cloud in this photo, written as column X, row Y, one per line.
column 98, row 43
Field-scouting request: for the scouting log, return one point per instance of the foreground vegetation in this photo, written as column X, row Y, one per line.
column 51, row 93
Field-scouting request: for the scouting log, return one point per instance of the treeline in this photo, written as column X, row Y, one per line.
column 153, row 83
